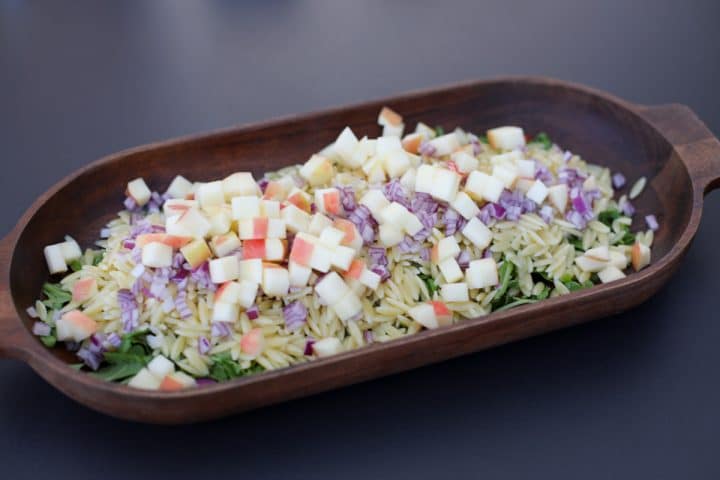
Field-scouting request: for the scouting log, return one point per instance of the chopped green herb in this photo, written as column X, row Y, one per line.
column 97, row 258
column 439, row 130
column 508, row 284
column 627, row 239
column 49, row 340
column 57, row 297
column 544, row 293
column 224, row 368
column 516, row 303
column 609, row 216
column 566, row 277
column 118, row 371
column 543, row 139
column 133, row 339
column 484, row 139
column 430, row 283
column 576, row 242
column 75, row 265
column 573, row 285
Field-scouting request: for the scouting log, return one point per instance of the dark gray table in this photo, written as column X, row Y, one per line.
column 633, row 396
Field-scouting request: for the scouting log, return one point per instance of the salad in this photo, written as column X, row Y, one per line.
column 369, row 240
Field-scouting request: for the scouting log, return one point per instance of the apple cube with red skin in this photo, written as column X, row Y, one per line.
column 299, row 274
column 173, row 241
column 55, row 259
column 157, row 255
column 224, row 245
column 558, row 195
column 180, row 187
column 538, row 192
column 640, row 255
column 296, row 220
column 327, row 347
column 138, row 190
column 144, row 380
column 176, row 381
column 431, row 315
column 454, row 292
column 239, row 184
column 276, row 281
column 271, row 249
column 351, row 237
column 300, row 199
column 84, row 289
column 318, row 223
column 317, row 170
column 328, row 200
column 278, row 189
column 224, row 269
column 191, row 223
column 228, row 292
column 210, row 194
column 506, row 138
column 261, row 227
column 477, row 233
column 388, row 116
column 196, row 252
column 359, row 272
column 482, row 273
column 481, row 186
column 178, row 206
column 411, row 142
column 225, row 312
column 308, row 251
column 252, row 343
column 75, row 325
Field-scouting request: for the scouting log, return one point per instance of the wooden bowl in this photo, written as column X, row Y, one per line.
column 668, row 144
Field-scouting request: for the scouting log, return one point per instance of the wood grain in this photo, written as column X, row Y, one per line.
column 667, row 144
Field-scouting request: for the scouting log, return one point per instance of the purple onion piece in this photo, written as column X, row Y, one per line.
column 295, row 315
column 652, row 223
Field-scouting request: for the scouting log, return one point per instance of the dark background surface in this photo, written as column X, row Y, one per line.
column 632, row 396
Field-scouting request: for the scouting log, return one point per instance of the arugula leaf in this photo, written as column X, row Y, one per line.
column 75, row 265
column 576, row 242
column 627, row 239
column 439, row 130
column 430, row 283
column 573, row 285
column 118, row 371
column 136, row 338
column 224, row 368
column 49, row 340
column 57, row 297
column 97, row 258
column 609, row 216
column 545, row 293
column 483, row 139
column 516, row 303
column 505, row 273
column 135, row 355
column 543, row 139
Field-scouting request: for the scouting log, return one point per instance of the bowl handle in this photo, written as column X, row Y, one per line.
column 698, row 148
column 14, row 337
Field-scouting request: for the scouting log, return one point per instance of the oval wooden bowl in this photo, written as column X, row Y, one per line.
column 668, row 144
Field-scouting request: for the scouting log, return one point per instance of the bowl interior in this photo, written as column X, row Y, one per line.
column 601, row 131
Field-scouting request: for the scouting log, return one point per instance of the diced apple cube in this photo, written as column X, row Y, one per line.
column 196, row 252
column 348, row 307
column 375, row 201
column 180, row 187
column 173, row 241
column 70, row 250
column 261, row 227
column 370, row 279
column 374, row 170
column 341, row 257
column 144, row 380
column 157, row 255
column 408, row 179
column 138, row 190
column 477, row 233
column 481, row 186
column 192, row 223
column 526, row 168
column 506, row 138
column 240, row 184
column 450, row 270
column 84, row 289
column 587, row 264
column 327, row 200
column 178, row 206
column 640, row 255
column 299, row 274
column 244, row 207
column 601, row 253
column 558, row 195
column 465, row 162
column 454, row 292
column 446, row 248
column 425, row 130
column 274, row 250
column 411, row 142
column 331, row 237
column 345, row 146
column 424, row 179
column 424, row 314
column 276, row 282
column 610, row 274
column 253, row 343
column 225, row 312
column 223, row 245
column 302, row 249
column 327, row 347
column 443, row 315
column 75, row 325
column 300, row 199
column 482, row 273
column 351, row 236
column 538, row 192
column 210, row 194
column 251, row 270
column 278, row 189
column 389, row 117
column 507, row 174
column 224, row 269
column 389, row 235
column 296, row 220
column 465, row 205
column 590, row 183
column 354, row 271
column 618, row 260
column 506, row 159
column 396, row 162
column 220, row 219
column 276, row 228
column 318, row 223
column 445, row 184
column 160, row 367
column 176, row 381
column 228, row 292
column 317, row 170
column 331, row 289
column 445, row 144
column 524, row 184
column 321, row 257
column 270, row 208
column 247, row 292
column 55, row 259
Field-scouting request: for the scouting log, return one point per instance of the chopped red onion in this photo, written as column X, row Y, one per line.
column 90, row 358
column 427, row 149
column 652, row 222
column 295, row 315
column 263, row 183
column 130, row 204
column 181, row 305
column 543, row 174
column 129, row 244
column 253, row 312
column 618, row 180
column 547, row 214
column 571, row 177
column 453, row 222
column 203, row 345
column 129, row 311
column 424, row 254
column 423, row 202
column 347, row 198
column 567, row 156
column 137, row 270
column 395, row 192
column 576, row 218
column 487, row 253
column 408, row 245
column 113, row 340
column 32, row 313
column 105, row 233
column 626, row 208
column 220, row 329
column 463, row 258
column 381, row 270
column 363, row 221
column 309, row 346
column 205, row 382
column 41, row 329
column 313, row 208
column 201, row 277
column 369, row 336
